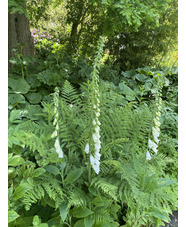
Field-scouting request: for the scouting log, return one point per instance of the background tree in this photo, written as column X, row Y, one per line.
column 18, row 28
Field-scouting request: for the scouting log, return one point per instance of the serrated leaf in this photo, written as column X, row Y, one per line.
column 81, row 212
column 63, row 210
column 52, row 169
column 16, row 160
column 12, row 215
column 73, row 175
column 39, row 171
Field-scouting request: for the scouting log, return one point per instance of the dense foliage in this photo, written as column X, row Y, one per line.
column 93, row 133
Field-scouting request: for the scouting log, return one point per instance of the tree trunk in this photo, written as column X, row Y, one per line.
column 19, row 32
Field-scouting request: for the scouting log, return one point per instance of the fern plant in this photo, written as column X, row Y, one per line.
column 127, row 191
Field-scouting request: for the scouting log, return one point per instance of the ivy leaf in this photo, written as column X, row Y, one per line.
column 81, row 212
column 12, row 215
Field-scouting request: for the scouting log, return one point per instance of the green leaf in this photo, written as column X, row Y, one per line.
column 52, row 169
column 15, row 114
column 43, row 225
column 141, row 77
column 19, row 85
column 125, row 90
column 20, row 190
column 73, row 175
column 79, row 223
column 162, row 216
column 34, row 97
column 39, row 171
column 16, row 160
column 81, row 212
column 15, row 98
column 63, row 210
column 88, row 221
column 36, row 220
column 12, row 215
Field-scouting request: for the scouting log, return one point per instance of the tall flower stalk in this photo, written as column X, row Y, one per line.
column 55, row 134
column 93, row 146
column 154, row 138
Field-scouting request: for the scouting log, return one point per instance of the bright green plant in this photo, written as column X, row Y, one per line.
column 65, row 188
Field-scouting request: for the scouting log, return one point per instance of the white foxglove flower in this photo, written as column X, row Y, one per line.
column 153, row 146
column 148, row 156
column 58, row 148
column 95, row 164
column 155, row 131
column 87, row 148
column 54, row 134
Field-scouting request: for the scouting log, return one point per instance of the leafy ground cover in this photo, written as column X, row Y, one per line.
column 90, row 145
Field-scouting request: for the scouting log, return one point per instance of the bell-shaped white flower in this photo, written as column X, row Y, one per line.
column 152, row 146
column 54, row 134
column 58, row 148
column 148, row 156
column 95, row 164
column 87, row 148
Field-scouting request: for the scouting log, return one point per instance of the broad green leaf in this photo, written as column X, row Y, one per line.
column 15, row 114
column 63, row 210
column 81, row 212
column 16, row 160
column 79, row 223
column 141, row 77
column 62, row 165
column 73, row 175
column 12, row 215
column 52, row 169
column 39, row 171
column 15, row 98
column 20, row 190
column 43, row 225
column 89, row 221
column 34, row 97
column 125, row 90
column 36, row 220
column 147, row 86
column 19, row 85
